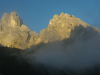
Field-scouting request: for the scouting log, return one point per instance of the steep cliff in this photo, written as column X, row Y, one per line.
column 13, row 33
column 60, row 27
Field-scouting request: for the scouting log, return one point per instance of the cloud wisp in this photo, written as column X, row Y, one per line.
column 78, row 53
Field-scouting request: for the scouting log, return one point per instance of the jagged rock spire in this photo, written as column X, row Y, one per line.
column 5, row 17
column 60, row 27
column 61, row 14
column 15, row 20
column 12, row 20
column 17, row 35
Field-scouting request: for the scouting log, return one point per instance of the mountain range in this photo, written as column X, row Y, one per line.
column 14, row 34
column 68, row 46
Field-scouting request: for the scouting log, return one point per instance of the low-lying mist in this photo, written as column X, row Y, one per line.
column 77, row 55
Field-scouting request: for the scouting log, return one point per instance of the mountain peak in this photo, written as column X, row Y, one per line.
column 62, row 14
column 5, row 16
column 12, row 20
column 65, row 19
column 12, row 31
column 13, row 14
column 14, row 34
column 15, row 20
column 60, row 27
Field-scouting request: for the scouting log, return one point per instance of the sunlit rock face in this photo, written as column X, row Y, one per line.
column 12, row 20
column 15, row 20
column 5, row 17
column 13, row 33
column 60, row 27
column 4, row 21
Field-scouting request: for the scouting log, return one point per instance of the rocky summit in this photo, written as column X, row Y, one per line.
column 13, row 33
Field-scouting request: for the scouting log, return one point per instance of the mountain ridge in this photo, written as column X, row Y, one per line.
column 67, row 46
column 13, row 33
